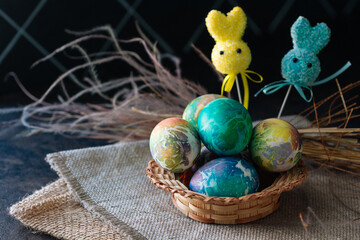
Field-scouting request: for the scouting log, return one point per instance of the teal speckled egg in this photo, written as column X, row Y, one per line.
column 275, row 145
column 174, row 144
column 225, row 177
column 193, row 109
column 225, row 126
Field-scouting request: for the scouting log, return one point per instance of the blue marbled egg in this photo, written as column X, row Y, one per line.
column 225, row 126
column 225, row 177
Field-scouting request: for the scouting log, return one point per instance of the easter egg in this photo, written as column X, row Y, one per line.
column 193, row 109
column 225, row 177
column 225, row 126
column 275, row 145
column 174, row 144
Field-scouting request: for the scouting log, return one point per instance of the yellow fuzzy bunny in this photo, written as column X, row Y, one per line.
column 230, row 55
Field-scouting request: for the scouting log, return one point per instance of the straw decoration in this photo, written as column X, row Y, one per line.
column 150, row 94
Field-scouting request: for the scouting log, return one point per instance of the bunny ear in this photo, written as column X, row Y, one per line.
column 300, row 31
column 312, row 38
column 230, row 27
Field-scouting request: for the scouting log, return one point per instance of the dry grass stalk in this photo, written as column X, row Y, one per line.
column 334, row 147
column 150, row 94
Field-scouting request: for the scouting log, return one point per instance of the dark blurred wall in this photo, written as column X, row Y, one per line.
column 31, row 29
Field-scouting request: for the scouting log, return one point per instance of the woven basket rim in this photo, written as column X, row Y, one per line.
column 284, row 182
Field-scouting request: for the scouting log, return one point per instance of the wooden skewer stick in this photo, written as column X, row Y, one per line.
column 284, row 101
column 238, row 89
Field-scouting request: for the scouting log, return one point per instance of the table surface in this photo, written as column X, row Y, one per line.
column 23, row 169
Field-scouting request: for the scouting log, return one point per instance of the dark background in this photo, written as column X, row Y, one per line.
column 31, row 29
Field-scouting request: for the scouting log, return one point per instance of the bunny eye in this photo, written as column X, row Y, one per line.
column 238, row 50
column 309, row 65
column 295, row 60
column 221, row 52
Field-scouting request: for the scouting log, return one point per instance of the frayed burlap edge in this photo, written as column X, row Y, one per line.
column 54, row 210
column 57, row 162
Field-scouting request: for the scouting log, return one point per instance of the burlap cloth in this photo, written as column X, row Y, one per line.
column 103, row 193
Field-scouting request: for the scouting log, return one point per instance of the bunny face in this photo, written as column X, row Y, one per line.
column 231, row 56
column 300, row 65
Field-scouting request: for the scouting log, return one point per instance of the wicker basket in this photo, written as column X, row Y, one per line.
column 226, row 210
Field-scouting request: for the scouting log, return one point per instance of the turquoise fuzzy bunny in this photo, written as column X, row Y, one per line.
column 300, row 66
column 301, row 63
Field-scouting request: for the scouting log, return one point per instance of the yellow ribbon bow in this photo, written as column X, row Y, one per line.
column 229, row 81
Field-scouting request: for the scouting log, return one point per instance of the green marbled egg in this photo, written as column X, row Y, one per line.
column 225, row 126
